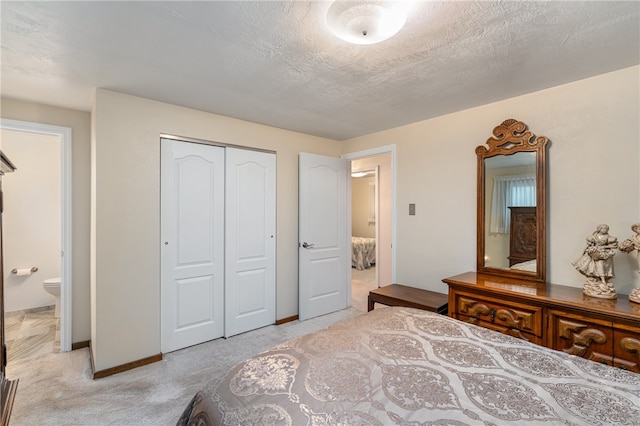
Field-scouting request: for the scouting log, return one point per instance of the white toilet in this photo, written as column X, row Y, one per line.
column 52, row 286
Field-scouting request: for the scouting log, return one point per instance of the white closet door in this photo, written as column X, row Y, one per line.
column 250, row 272
column 192, row 246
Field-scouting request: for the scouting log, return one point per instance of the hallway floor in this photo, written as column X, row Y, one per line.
column 361, row 283
column 31, row 333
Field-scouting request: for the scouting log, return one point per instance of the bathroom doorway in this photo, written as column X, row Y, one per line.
column 37, row 245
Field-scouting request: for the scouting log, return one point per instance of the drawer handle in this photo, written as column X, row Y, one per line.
column 492, row 313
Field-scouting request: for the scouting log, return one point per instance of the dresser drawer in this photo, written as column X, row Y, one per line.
column 626, row 350
column 508, row 317
column 590, row 338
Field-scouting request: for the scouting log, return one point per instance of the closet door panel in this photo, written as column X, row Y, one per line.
column 251, row 288
column 192, row 246
column 250, row 240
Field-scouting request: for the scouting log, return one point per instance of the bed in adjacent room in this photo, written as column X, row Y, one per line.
column 363, row 252
column 405, row 366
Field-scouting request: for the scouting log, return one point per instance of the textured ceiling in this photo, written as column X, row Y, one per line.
column 276, row 63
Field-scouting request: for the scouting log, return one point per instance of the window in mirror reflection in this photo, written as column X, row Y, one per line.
column 510, row 191
column 510, row 181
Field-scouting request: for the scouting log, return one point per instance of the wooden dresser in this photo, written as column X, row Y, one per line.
column 555, row 316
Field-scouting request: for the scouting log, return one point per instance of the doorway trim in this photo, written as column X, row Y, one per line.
column 64, row 133
column 386, row 149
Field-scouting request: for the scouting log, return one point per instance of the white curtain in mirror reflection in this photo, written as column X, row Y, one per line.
column 510, row 191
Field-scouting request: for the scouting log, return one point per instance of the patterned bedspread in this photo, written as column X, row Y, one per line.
column 401, row 366
column 363, row 252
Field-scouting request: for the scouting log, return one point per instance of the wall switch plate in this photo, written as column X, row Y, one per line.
column 412, row 209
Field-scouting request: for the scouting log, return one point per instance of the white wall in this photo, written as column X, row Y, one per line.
column 593, row 177
column 31, row 218
column 80, row 125
column 126, row 217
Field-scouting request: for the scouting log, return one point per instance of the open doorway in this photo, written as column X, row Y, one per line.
column 371, row 226
column 37, row 243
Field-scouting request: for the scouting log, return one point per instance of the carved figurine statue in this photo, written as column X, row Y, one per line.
column 627, row 246
column 596, row 263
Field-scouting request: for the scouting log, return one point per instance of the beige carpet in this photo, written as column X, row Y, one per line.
column 56, row 389
column 361, row 283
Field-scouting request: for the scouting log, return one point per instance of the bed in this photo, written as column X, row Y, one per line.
column 529, row 266
column 363, row 252
column 403, row 366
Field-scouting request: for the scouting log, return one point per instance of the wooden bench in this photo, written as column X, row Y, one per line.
column 410, row 297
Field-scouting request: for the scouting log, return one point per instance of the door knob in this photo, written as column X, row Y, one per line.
column 307, row 245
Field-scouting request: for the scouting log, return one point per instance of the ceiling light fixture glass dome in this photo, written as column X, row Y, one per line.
column 366, row 22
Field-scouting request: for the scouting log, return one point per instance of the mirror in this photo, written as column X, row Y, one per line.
column 511, row 229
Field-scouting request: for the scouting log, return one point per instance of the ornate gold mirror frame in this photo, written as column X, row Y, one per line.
column 512, row 243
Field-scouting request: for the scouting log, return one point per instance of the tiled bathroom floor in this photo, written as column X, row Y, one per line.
column 31, row 333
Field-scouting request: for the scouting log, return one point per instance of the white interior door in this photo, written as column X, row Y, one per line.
column 324, row 243
column 250, row 284
column 192, row 246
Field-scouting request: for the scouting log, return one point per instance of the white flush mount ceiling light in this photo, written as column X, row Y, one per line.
column 366, row 22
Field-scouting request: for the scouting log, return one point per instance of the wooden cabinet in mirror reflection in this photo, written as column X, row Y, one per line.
column 523, row 235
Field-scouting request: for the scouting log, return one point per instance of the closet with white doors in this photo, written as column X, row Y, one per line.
column 218, row 243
